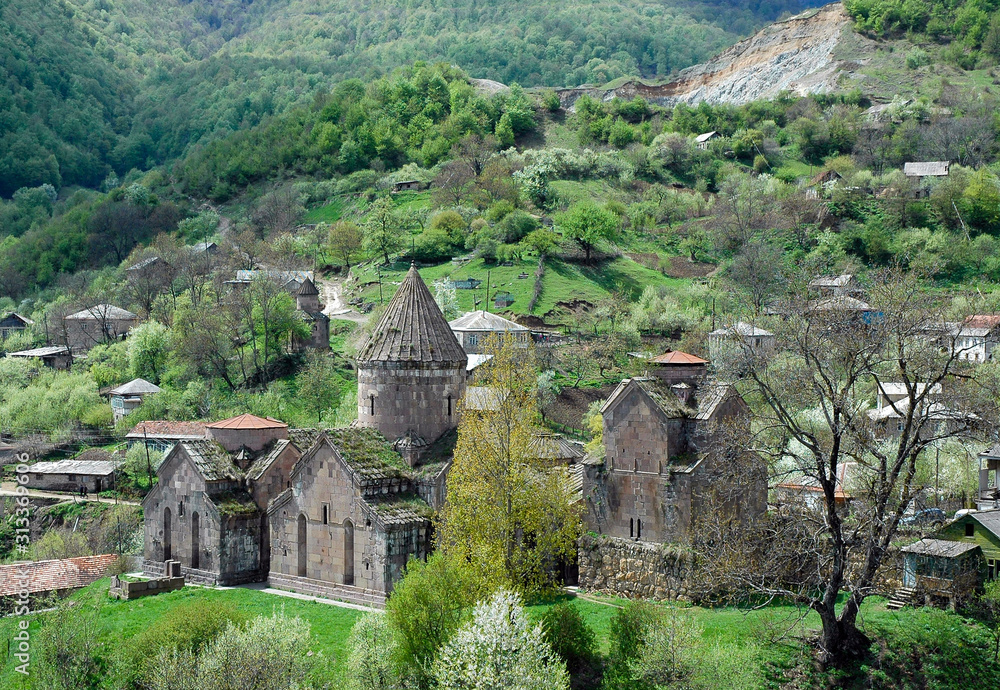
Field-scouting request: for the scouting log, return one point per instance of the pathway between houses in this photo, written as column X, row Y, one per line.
column 10, row 489
column 335, row 307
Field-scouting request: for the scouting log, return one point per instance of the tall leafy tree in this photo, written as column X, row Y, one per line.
column 383, row 231
column 588, row 225
column 508, row 513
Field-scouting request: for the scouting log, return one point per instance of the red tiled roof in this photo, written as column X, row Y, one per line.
column 677, row 357
column 49, row 576
column 165, row 428
column 247, row 421
column 982, row 321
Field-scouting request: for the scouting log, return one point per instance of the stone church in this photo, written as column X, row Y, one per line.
column 335, row 513
column 661, row 460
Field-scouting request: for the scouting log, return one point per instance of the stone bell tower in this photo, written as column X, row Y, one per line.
column 411, row 372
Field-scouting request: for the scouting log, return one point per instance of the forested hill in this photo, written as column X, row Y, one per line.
column 93, row 86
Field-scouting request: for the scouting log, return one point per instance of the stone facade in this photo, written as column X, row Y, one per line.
column 345, row 525
column 400, row 398
column 639, row 570
column 208, row 510
column 658, row 475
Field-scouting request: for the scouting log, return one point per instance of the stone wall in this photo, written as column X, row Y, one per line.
column 410, row 397
column 68, row 482
column 125, row 590
column 327, row 590
column 635, row 569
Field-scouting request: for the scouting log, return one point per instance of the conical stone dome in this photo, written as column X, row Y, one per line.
column 412, row 329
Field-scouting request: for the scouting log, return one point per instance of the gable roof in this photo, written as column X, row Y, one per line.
column 677, row 357
column 99, row 468
column 940, row 547
column 246, row 422
column 926, row 169
column 49, row 576
column 990, row 519
column 102, row 312
column 705, row 137
column 14, row 316
column 482, row 320
column 136, row 387
column 831, row 281
column 149, row 261
column 742, row 328
column 984, row 321
column 260, row 465
column 412, row 329
column 548, row 446
column 839, row 303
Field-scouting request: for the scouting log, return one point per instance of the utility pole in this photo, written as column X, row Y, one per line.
column 487, row 304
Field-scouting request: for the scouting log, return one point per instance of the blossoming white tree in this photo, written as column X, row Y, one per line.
column 499, row 648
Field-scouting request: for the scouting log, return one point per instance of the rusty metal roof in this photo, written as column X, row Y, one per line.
column 413, row 329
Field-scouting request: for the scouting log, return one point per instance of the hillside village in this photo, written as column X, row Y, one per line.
column 675, row 378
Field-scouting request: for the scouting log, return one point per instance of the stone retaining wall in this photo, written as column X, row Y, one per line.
column 635, row 569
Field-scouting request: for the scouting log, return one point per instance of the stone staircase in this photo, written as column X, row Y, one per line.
column 903, row 596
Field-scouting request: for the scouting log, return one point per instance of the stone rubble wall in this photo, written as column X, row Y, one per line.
column 635, row 569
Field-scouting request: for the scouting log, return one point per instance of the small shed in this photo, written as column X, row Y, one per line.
column 406, row 186
column 943, row 572
column 981, row 528
column 740, row 338
column 503, row 300
column 54, row 357
column 467, row 284
column 72, row 475
column 129, row 396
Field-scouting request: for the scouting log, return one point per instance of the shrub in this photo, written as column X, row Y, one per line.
column 426, row 608
column 500, row 649
column 372, row 654
column 66, row 652
column 570, row 636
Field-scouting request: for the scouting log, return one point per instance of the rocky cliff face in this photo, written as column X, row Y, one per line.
column 796, row 55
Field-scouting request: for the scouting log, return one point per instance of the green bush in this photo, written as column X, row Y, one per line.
column 570, row 636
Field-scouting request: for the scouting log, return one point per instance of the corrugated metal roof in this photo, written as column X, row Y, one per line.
column 742, row 328
column 101, row 468
column 940, row 547
column 102, row 312
column 548, row 446
column 831, row 281
column 482, row 320
column 412, row 329
column 247, row 421
column 701, row 138
column 477, row 360
column 926, row 169
column 41, row 352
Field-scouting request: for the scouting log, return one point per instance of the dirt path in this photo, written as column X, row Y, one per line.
column 336, row 308
column 10, row 489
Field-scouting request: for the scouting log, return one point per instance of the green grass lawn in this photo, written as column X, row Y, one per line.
column 562, row 282
column 121, row 620
column 919, row 648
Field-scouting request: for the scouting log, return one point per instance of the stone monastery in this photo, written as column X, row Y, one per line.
column 338, row 513
column 335, row 513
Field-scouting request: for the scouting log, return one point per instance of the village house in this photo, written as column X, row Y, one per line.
column 701, row 141
column 406, row 186
column 660, row 465
column 127, row 397
column 977, row 336
column 100, row 324
column 13, row 324
column 920, row 171
column 988, row 496
column 473, row 329
column 54, row 356
column 729, row 341
column 92, row 472
column 160, row 435
column 803, row 492
column 835, row 286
